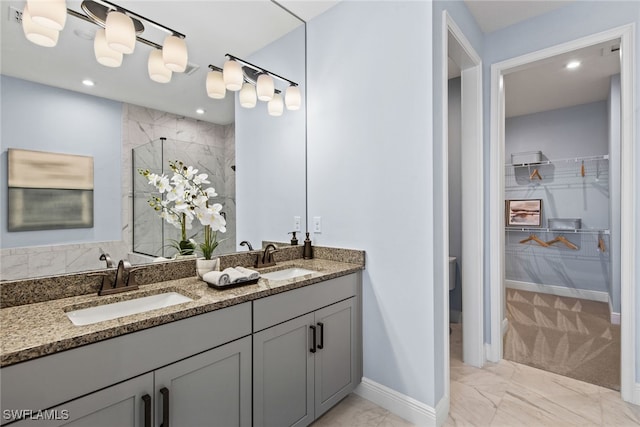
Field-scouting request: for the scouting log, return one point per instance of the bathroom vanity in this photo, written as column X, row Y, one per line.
column 275, row 353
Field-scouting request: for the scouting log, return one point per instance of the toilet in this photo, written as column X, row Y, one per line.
column 452, row 272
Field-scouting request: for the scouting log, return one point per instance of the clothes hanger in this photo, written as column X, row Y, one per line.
column 564, row 241
column 601, row 245
column 535, row 174
column 535, row 239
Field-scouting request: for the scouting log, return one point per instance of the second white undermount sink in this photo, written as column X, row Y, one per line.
column 287, row 273
column 100, row 313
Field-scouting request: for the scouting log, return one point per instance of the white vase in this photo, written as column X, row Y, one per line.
column 203, row 266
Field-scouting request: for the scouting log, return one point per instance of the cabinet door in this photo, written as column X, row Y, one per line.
column 210, row 389
column 335, row 360
column 120, row 405
column 283, row 374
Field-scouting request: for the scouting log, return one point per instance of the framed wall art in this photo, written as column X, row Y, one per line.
column 524, row 213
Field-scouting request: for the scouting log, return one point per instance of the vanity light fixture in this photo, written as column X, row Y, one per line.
column 158, row 72
column 104, row 54
column 248, row 97
column 573, row 65
column 275, row 107
column 216, row 88
column 38, row 34
column 50, row 14
column 254, row 83
column 120, row 30
column 265, row 87
column 232, row 75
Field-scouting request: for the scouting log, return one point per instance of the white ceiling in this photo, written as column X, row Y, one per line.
column 212, row 29
column 546, row 85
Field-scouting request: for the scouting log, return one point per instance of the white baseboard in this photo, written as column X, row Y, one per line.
column 404, row 406
column 560, row 291
column 614, row 317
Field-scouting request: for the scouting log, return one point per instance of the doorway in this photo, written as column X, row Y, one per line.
column 627, row 191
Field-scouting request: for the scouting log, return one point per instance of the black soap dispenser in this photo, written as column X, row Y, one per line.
column 308, row 250
column 294, row 239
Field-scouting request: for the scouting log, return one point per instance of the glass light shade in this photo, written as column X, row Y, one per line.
column 292, row 98
column 275, row 107
column 248, row 98
column 215, row 85
column 48, row 13
column 120, row 32
column 174, row 54
column 232, row 73
column 37, row 34
column 158, row 72
column 265, row 87
column 104, row 54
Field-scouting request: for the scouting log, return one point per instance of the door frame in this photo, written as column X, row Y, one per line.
column 628, row 189
column 472, row 194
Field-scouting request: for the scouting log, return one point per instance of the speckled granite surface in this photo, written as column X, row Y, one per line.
column 32, row 330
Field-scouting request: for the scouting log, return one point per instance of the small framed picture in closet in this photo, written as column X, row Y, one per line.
column 525, row 213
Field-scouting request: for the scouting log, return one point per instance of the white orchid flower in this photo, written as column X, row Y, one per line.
column 201, row 179
column 210, row 192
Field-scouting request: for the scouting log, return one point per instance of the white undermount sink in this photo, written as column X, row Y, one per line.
column 100, row 313
column 287, row 273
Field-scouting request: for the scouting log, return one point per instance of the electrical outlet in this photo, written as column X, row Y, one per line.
column 317, row 224
column 15, row 15
column 296, row 223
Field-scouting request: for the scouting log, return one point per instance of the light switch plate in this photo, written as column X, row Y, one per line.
column 317, row 224
column 296, row 223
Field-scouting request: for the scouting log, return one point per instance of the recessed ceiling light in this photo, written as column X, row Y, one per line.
column 573, row 65
column 88, row 82
column 200, row 111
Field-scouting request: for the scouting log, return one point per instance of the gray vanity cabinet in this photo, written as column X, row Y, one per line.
column 209, row 389
column 283, row 369
column 304, row 366
column 121, row 405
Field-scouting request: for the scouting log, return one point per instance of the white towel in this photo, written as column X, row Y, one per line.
column 217, row 278
column 234, row 275
column 251, row 274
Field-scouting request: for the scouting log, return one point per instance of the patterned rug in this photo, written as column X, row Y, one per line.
column 568, row 336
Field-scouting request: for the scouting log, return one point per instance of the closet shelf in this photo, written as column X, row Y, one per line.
column 553, row 230
column 552, row 161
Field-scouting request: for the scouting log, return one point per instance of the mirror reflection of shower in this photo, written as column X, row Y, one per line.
column 153, row 236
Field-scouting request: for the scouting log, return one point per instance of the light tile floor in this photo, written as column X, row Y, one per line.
column 504, row 394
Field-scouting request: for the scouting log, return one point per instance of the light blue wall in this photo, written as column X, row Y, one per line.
column 563, row 133
column 575, row 20
column 370, row 158
column 38, row 117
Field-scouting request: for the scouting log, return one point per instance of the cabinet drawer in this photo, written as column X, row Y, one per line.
column 279, row 308
column 47, row 381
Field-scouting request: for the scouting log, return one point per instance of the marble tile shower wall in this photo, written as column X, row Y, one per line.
column 140, row 126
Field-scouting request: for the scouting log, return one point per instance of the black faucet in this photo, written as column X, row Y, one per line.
column 266, row 260
column 247, row 244
column 123, row 281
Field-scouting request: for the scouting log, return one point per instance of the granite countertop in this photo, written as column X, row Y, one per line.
column 34, row 330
